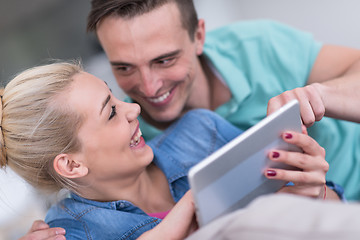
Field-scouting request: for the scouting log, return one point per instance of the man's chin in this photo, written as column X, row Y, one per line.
column 160, row 119
column 164, row 118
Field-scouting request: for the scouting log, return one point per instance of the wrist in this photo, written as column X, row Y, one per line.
column 323, row 192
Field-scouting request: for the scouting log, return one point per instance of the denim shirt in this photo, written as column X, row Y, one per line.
column 195, row 136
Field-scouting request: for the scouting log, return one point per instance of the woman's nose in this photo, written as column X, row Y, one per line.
column 132, row 111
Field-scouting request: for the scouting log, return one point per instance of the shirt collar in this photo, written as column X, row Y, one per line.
column 172, row 168
column 115, row 205
column 230, row 73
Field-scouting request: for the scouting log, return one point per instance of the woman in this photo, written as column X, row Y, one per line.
column 62, row 128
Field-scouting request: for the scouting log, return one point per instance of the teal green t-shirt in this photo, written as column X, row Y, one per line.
column 261, row 59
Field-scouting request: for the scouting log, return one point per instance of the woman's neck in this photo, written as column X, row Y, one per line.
column 158, row 197
column 149, row 191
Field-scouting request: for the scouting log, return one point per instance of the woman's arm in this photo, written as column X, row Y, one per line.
column 178, row 224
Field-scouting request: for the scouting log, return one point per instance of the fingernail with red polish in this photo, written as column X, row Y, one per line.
column 275, row 154
column 271, row 173
column 288, row 135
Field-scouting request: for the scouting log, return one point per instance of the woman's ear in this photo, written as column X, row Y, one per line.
column 69, row 168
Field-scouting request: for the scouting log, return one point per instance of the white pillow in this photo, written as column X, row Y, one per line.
column 286, row 217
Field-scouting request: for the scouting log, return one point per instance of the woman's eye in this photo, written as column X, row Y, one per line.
column 113, row 112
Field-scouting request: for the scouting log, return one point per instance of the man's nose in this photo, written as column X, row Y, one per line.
column 150, row 83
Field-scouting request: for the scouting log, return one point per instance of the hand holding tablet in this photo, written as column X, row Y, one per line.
column 234, row 175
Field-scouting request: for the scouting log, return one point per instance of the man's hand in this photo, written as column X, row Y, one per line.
column 312, row 107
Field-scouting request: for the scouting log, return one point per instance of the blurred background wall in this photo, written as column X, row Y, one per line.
column 331, row 21
column 31, row 32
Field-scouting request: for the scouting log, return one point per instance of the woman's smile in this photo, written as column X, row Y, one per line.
column 136, row 139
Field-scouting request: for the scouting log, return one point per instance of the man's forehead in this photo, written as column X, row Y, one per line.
column 166, row 16
column 146, row 45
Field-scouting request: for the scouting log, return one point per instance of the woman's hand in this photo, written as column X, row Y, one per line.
column 309, row 180
column 178, row 224
column 41, row 231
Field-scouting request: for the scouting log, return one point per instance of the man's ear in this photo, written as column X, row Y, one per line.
column 69, row 168
column 200, row 37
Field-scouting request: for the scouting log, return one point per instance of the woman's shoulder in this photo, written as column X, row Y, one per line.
column 97, row 220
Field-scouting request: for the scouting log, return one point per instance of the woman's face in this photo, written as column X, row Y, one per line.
column 111, row 142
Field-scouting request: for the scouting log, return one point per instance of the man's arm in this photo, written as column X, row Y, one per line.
column 336, row 76
column 333, row 87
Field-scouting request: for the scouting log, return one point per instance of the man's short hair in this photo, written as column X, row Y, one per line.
column 128, row 9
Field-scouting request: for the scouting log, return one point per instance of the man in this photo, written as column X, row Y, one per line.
column 160, row 58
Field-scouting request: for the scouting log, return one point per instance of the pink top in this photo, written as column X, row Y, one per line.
column 160, row 215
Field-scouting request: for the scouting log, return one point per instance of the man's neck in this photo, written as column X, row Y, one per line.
column 219, row 93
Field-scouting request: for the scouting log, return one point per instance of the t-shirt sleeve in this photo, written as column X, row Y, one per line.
column 291, row 51
column 259, row 60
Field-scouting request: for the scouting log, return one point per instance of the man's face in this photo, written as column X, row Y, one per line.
column 154, row 60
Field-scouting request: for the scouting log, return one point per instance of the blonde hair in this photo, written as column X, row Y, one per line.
column 36, row 127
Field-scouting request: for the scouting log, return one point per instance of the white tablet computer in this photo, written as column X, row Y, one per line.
column 234, row 175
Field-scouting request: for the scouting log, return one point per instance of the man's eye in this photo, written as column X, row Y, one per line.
column 113, row 112
column 166, row 61
column 123, row 68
